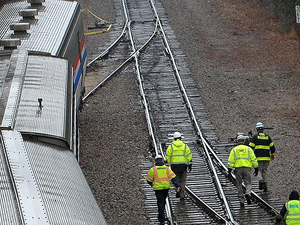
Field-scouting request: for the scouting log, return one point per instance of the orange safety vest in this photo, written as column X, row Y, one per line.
column 161, row 177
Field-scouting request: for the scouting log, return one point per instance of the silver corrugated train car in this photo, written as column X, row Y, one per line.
column 42, row 69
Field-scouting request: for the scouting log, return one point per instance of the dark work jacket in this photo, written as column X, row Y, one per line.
column 263, row 146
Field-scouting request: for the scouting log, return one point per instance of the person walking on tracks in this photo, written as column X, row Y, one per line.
column 242, row 159
column 160, row 177
column 179, row 156
column 264, row 150
column 290, row 211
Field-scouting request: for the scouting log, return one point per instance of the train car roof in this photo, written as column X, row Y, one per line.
column 36, row 166
column 47, row 29
column 36, row 93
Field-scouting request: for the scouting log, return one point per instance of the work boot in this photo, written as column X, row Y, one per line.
column 248, row 199
column 181, row 195
column 265, row 187
column 161, row 221
column 260, row 184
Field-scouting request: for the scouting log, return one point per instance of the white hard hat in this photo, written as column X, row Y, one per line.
column 241, row 138
column 177, row 135
column 259, row 125
column 158, row 157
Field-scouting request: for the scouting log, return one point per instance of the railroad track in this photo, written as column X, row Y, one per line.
column 172, row 103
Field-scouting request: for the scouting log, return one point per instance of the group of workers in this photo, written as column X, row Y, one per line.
column 257, row 154
column 242, row 159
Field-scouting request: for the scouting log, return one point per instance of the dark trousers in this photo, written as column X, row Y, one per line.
column 161, row 196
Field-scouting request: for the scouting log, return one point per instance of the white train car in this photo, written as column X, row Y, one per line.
column 42, row 69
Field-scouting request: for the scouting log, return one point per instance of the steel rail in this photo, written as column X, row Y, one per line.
column 145, row 103
column 169, row 212
column 168, row 207
column 135, row 56
column 106, row 51
column 129, row 59
column 207, row 208
column 193, row 117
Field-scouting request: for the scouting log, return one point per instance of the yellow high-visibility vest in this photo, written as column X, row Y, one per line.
column 292, row 216
column 178, row 153
column 242, row 156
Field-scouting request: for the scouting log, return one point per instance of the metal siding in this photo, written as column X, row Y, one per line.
column 53, row 24
column 65, row 192
column 71, row 50
column 10, row 14
column 59, row 22
column 48, row 32
column 13, row 86
column 8, row 205
column 46, row 78
column 31, row 204
column 75, row 44
column 4, row 66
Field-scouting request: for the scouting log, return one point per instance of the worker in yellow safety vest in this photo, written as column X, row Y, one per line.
column 242, row 159
column 160, row 177
column 291, row 210
column 179, row 156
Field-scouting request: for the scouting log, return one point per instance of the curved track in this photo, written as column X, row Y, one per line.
column 172, row 103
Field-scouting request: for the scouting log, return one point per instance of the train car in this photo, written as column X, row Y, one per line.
column 42, row 69
column 54, row 28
